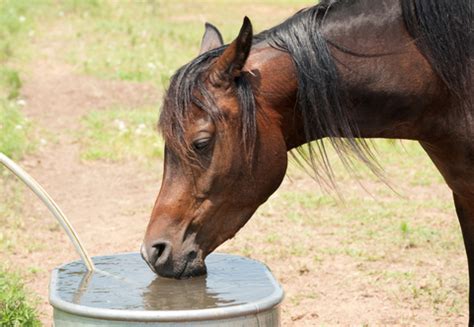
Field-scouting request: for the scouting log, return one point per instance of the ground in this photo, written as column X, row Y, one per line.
column 378, row 256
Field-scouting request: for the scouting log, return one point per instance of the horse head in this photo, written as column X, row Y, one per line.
column 221, row 162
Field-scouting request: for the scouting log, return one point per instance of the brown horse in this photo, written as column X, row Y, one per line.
column 344, row 70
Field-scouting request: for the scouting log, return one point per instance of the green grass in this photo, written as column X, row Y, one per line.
column 14, row 136
column 117, row 134
column 10, row 207
column 15, row 142
column 16, row 25
column 12, row 23
column 148, row 41
column 17, row 22
column 10, row 83
column 14, row 128
column 15, row 309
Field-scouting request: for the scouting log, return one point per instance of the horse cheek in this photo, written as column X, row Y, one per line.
column 272, row 163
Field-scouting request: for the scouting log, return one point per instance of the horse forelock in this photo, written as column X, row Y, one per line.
column 187, row 89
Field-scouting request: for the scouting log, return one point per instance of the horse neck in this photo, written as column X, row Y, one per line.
column 274, row 76
column 392, row 90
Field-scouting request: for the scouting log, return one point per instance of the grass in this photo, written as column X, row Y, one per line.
column 16, row 25
column 15, row 142
column 12, row 23
column 16, row 310
column 14, row 136
column 17, row 20
column 148, row 41
column 10, row 83
column 118, row 134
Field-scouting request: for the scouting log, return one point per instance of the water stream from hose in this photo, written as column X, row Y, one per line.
column 51, row 205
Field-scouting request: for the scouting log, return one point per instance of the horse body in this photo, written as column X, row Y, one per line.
column 340, row 70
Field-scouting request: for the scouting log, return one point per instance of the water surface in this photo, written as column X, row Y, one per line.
column 125, row 282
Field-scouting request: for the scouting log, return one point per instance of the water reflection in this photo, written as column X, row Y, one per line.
column 169, row 294
column 83, row 286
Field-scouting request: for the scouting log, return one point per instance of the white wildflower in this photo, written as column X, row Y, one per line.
column 21, row 102
column 140, row 128
column 122, row 127
column 22, row 19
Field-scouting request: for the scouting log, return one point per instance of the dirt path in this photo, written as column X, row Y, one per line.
column 108, row 204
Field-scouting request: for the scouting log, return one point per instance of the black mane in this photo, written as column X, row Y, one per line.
column 321, row 100
column 443, row 32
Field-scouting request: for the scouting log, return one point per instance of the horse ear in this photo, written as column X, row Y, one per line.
column 211, row 40
column 230, row 64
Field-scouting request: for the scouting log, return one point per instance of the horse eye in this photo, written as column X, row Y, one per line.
column 201, row 144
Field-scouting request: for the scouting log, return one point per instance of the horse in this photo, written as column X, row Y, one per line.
column 343, row 70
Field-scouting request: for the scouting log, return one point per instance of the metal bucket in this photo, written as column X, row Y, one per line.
column 123, row 291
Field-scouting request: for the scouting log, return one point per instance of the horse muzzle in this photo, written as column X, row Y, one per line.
column 164, row 262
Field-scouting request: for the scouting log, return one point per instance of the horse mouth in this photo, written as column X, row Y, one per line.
column 192, row 269
column 184, row 270
column 181, row 274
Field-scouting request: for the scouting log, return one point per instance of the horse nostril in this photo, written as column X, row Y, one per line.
column 160, row 253
column 192, row 255
column 160, row 248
